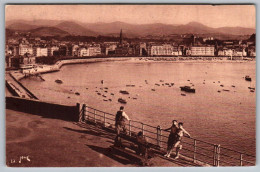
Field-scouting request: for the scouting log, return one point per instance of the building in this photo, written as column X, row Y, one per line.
column 83, row 52
column 94, row 51
column 38, row 52
column 164, row 50
column 75, row 50
column 202, row 51
column 227, row 52
column 143, row 49
column 25, row 49
column 27, row 60
column 51, row 50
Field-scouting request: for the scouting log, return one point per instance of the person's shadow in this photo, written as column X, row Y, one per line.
column 108, row 152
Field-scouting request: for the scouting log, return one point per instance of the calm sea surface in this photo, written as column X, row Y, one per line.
column 226, row 117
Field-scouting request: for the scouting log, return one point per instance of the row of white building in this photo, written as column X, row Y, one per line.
column 35, row 51
column 86, row 51
column 170, row 50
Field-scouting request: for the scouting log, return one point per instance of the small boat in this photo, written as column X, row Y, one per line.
column 98, row 93
column 188, row 89
column 123, row 92
column 157, row 84
column 153, row 89
column 183, row 94
column 123, row 101
column 130, row 85
column 105, row 91
column 222, row 85
column 251, row 88
column 77, row 93
column 248, row 78
column 252, row 91
column 104, row 95
column 225, row 90
column 58, row 81
column 110, row 99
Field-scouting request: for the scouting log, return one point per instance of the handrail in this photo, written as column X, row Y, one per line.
column 216, row 154
column 238, row 152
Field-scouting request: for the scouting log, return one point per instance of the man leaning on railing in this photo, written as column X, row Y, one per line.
column 121, row 116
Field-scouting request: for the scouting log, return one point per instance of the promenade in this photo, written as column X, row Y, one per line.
column 57, row 143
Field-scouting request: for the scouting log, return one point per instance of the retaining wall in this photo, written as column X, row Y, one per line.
column 44, row 109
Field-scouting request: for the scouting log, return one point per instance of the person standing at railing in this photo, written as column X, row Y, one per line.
column 171, row 139
column 121, row 116
column 180, row 133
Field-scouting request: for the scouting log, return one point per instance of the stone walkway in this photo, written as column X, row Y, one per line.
column 44, row 142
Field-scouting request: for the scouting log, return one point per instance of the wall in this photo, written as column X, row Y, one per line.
column 44, row 109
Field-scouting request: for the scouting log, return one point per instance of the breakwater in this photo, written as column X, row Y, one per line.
column 56, row 67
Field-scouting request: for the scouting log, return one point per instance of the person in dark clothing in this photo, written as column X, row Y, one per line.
column 172, row 137
column 180, row 133
column 121, row 116
column 142, row 145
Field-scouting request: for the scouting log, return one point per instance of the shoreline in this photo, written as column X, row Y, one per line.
column 40, row 69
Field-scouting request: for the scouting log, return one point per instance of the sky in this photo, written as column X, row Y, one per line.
column 212, row 16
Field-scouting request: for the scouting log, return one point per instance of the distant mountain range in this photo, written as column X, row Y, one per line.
column 63, row 28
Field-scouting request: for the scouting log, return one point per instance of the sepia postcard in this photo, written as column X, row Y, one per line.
column 109, row 85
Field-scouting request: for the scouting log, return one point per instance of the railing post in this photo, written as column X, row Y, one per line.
column 83, row 112
column 159, row 135
column 218, row 155
column 95, row 116
column 142, row 128
column 104, row 119
column 214, row 155
column 195, row 149
column 241, row 159
column 79, row 112
column 129, row 127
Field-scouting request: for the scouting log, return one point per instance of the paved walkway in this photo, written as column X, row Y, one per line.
column 57, row 143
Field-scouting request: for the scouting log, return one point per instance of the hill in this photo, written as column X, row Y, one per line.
column 48, row 31
column 129, row 30
column 75, row 29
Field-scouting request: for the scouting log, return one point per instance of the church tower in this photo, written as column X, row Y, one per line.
column 121, row 38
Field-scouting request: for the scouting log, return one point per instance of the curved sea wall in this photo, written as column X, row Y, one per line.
column 56, row 67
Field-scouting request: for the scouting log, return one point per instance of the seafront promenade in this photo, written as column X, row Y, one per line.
column 57, row 143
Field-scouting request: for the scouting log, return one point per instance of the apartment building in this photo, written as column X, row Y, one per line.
column 202, row 51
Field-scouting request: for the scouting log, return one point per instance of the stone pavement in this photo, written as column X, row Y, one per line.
column 35, row 141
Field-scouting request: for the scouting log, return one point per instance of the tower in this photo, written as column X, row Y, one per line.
column 121, row 37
